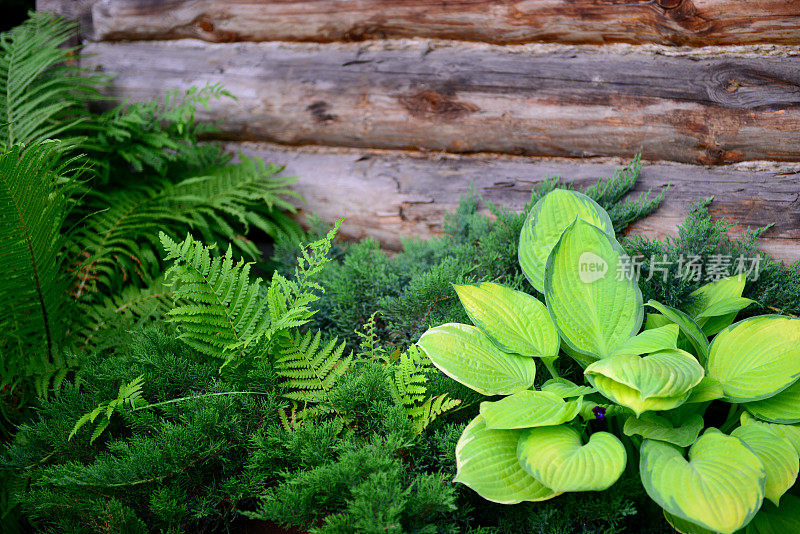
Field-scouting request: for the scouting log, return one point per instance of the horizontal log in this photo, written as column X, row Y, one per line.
column 671, row 22
column 77, row 10
column 695, row 106
column 388, row 195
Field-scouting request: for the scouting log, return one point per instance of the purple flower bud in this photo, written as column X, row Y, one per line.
column 599, row 413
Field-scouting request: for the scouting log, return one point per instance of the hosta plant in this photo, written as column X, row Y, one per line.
column 707, row 407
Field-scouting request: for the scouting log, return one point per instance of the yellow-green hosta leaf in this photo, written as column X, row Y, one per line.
column 660, row 381
column 595, row 311
column 715, row 305
column 652, row 426
column 528, row 409
column 556, row 456
column 778, row 456
column 756, row 358
column 652, row 340
column 466, row 355
column 790, row 433
column 781, row 408
column 707, row 390
column 545, row 223
column 685, row 527
column 515, row 321
column 720, row 487
column 690, row 329
column 773, row 519
column 566, row 389
column 486, row 461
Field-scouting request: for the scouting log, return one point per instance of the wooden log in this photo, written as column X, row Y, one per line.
column 669, row 22
column 77, row 10
column 388, row 195
column 696, row 106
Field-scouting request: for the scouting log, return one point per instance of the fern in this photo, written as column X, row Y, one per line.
column 42, row 94
column 129, row 394
column 310, row 370
column 34, row 202
column 408, row 389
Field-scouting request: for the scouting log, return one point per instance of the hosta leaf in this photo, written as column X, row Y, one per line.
column 594, row 311
column 652, row 426
column 565, row 388
column 528, row 409
column 515, row 321
column 720, row 487
column 778, row 456
column 466, row 355
column 756, row 358
column 659, row 381
column 781, row 408
column 486, row 461
column 777, row 520
column 652, row 340
column 556, row 456
column 707, row 390
column 790, row 433
column 690, row 329
column 685, row 527
column 546, row 221
column 715, row 305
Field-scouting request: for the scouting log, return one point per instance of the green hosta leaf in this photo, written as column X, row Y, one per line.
column 716, row 304
column 528, row 409
column 720, row 487
column 486, row 461
column 652, row 426
column 652, row 340
column 756, row 358
column 515, row 321
column 566, row 389
column 546, row 222
column 556, row 456
column 707, row 390
column 781, row 408
column 790, row 433
column 778, row 456
column 691, row 330
column 466, row 355
column 659, row 381
column 594, row 311
column 777, row 520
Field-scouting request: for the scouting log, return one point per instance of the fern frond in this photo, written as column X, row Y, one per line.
column 223, row 315
column 43, row 92
column 34, row 201
column 433, row 407
column 310, row 368
column 129, row 394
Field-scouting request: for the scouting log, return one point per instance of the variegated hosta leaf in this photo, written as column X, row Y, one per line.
column 466, row 355
column 652, row 340
column 595, row 311
column 790, row 433
column 781, row 408
column 566, row 389
column 778, row 456
column 652, row 426
column 720, row 487
column 756, row 358
column 685, row 527
column 487, row 462
column 707, row 390
column 546, row 221
column 515, row 321
column 777, row 520
column 716, row 304
column 697, row 338
column 528, row 409
column 659, row 381
column 556, row 456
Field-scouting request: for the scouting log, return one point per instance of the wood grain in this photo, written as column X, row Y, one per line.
column 672, row 22
column 542, row 100
column 388, row 195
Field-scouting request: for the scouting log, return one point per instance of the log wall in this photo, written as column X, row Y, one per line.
column 389, row 110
